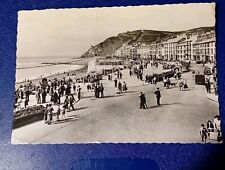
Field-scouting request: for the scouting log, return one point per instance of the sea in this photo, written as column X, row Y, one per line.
column 29, row 68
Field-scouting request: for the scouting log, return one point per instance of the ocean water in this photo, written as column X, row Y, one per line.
column 33, row 67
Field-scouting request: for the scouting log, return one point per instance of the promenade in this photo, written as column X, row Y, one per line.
column 117, row 118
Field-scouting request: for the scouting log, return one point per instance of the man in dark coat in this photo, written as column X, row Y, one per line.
column 115, row 82
column 158, row 96
column 142, row 101
column 43, row 95
column 55, row 97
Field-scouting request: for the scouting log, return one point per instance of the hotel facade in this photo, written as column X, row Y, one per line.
column 199, row 46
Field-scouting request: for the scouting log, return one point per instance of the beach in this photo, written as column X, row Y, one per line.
column 80, row 70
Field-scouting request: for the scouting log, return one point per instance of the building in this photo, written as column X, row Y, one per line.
column 126, row 51
column 204, row 49
column 143, row 51
column 193, row 46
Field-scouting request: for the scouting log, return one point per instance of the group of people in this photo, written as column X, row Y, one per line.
column 54, row 88
column 49, row 113
column 211, row 127
column 143, row 102
column 99, row 90
column 183, row 84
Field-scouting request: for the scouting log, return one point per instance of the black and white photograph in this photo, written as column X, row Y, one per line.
column 136, row 74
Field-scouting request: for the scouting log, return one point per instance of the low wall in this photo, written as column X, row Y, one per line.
column 30, row 115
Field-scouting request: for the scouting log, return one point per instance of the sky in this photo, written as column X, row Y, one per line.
column 71, row 32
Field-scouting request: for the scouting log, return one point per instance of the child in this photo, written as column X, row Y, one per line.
column 203, row 133
column 63, row 112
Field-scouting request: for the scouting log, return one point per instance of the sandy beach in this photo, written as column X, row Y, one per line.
column 79, row 72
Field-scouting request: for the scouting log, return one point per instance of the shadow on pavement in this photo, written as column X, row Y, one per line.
column 86, row 97
column 131, row 92
column 110, row 96
column 80, row 108
column 66, row 120
column 165, row 104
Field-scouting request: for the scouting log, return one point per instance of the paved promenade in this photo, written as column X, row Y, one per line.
column 118, row 119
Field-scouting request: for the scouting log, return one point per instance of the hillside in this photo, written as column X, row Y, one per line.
column 111, row 44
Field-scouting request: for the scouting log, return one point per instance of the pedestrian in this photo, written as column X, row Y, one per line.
column 145, row 103
column 167, row 82
column 27, row 93
column 50, row 113
column 26, row 102
column 193, row 74
column 79, row 93
column 96, row 91
column 55, row 97
column 109, row 77
column 66, row 103
column 63, row 112
column 185, row 85
column 43, row 95
column 74, row 87
column 124, row 86
column 119, row 87
column 46, row 114
column 58, row 112
column 115, row 82
column 203, row 133
column 121, row 75
column 208, row 86
column 181, row 84
column 130, row 72
column 101, row 90
column 158, row 96
column 210, row 126
column 164, row 81
column 71, row 101
column 154, row 79
column 38, row 96
column 142, row 101
column 217, row 126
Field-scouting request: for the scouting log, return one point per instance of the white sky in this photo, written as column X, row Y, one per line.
column 70, row 32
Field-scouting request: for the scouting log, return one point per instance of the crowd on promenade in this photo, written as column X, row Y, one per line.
column 65, row 92
column 212, row 130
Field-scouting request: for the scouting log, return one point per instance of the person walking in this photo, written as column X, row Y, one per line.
column 58, row 112
column 193, row 74
column 142, row 101
column 43, row 95
column 55, row 97
column 119, row 87
column 71, row 100
column 63, row 113
column 158, row 96
column 130, row 72
column 115, row 82
column 121, row 75
column 50, row 113
column 38, row 96
column 46, row 114
column 79, row 93
column 181, row 84
column 66, row 103
column 185, row 85
column 124, row 86
column 203, row 133
column 96, row 91
column 101, row 90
